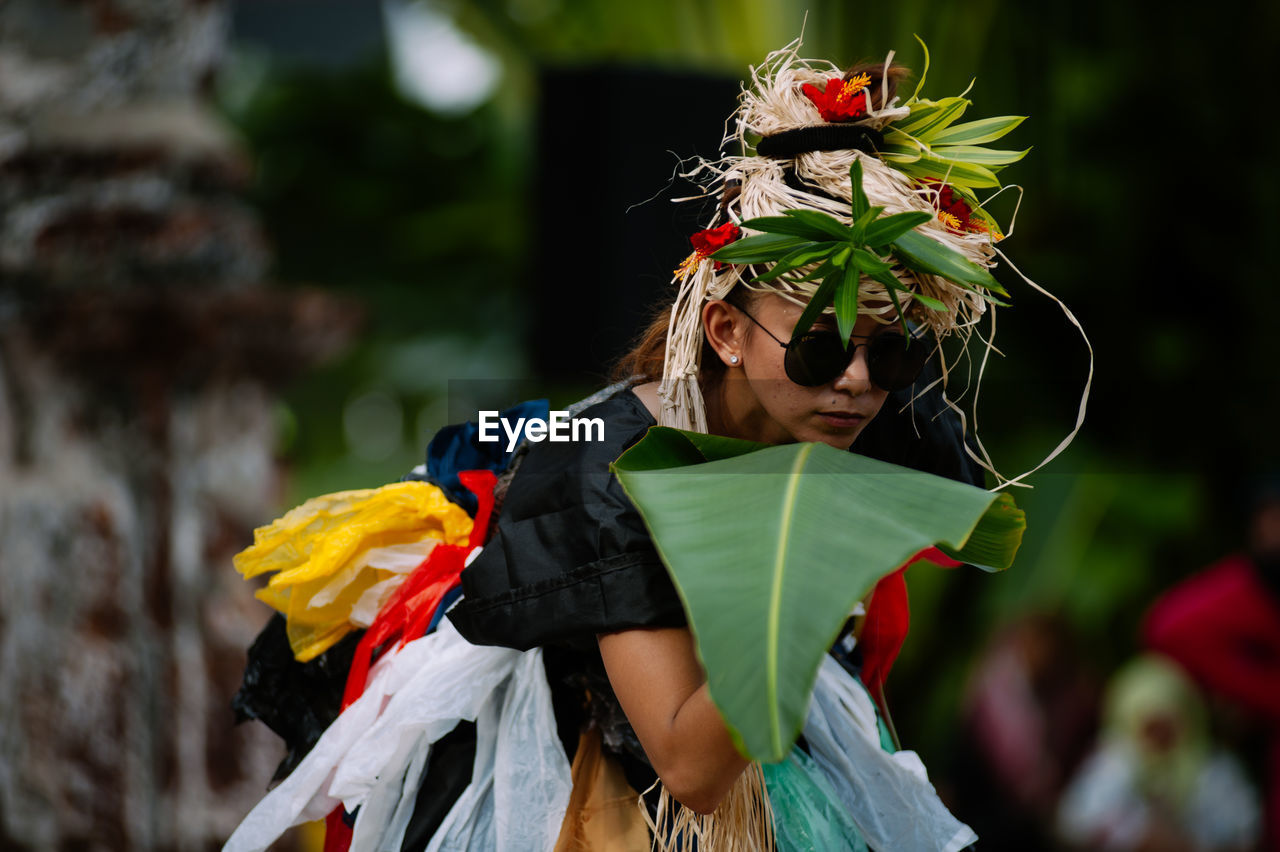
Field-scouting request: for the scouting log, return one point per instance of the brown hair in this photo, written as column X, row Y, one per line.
column 876, row 71
column 647, row 353
column 646, row 356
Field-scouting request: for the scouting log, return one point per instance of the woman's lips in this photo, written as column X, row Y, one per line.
column 842, row 419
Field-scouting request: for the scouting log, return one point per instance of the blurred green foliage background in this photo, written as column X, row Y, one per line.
column 1148, row 210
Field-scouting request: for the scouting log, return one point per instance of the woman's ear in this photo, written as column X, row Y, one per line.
column 725, row 330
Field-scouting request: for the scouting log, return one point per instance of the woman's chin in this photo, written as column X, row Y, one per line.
column 840, row 439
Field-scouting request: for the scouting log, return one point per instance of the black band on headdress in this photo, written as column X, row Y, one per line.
column 794, row 181
column 820, row 137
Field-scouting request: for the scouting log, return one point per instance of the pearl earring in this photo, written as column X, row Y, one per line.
column 733, row 359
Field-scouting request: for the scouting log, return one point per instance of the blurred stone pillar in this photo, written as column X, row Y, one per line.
column 137, row 349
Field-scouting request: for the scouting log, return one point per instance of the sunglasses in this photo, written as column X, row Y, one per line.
column 818, row 356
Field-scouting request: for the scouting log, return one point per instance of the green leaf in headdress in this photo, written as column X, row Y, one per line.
column 954, row 172
column 847, row 301
column 977, row 132
column 759, row 248
column 809, row 254
column 923, row 254
column 990, row 157
column 928, row 118
column 841, row 254
column 793, row 226
column 886, row 229
column 858, row 197
column 820, row 222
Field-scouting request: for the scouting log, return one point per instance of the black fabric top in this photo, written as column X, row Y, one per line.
column 570, row 557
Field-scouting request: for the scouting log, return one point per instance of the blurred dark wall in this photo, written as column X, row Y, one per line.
column 610, row 143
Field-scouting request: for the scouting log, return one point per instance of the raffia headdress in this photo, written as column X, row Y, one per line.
column 846, row 195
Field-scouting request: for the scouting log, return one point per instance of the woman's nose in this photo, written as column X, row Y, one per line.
column 856, row 377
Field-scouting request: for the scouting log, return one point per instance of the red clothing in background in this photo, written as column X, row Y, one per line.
column 1223, row 627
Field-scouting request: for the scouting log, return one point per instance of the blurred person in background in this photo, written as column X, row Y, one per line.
column 1030, row 713
column 1156, row 782
column 1223, row 626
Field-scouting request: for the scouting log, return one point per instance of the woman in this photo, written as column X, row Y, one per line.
column 772, row 340
column 654, row 672
column 523, row 593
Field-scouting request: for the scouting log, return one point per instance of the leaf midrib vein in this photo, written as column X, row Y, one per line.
column 774, row 623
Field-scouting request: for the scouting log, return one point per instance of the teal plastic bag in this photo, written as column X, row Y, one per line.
column 807, row 814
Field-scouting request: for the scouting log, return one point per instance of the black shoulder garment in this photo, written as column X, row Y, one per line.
column 570, row 556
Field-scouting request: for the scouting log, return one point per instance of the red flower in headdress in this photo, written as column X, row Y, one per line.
column 954, row 211
column 950, row 202
column 841, row 100
column 706, row 243
column 712, row 240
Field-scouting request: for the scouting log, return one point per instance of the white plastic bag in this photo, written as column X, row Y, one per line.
column 414, row 696
column 888, row 796
column 520, row 781
column 383, row 818
column 450, row 680
column 532, row 776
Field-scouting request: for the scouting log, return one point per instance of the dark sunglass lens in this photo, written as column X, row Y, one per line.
column 815, row 359
column 893, row 363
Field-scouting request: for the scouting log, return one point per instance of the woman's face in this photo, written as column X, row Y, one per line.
column 760, row 403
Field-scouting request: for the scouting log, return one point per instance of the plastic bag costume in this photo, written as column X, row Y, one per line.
column 463, row 738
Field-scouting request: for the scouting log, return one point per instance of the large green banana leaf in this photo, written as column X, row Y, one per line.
column 770, row 547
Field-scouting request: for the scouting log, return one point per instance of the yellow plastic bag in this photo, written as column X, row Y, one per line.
column 329, row 553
